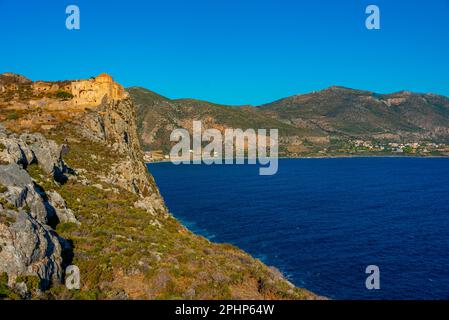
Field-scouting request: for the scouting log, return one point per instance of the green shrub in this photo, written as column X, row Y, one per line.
column 64, row 95
column 5, row 291
column 7, row 220
column 3, row 188
column 12, row 116
column 7, row 205
column 32, row 282
column 66, row 227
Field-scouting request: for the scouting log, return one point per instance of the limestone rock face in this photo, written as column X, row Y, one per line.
column 114, row 123
column 59, row 206
column 47, row 153
column 152, row 204
column 29, row 148
column 28, row 244
column 14, row 150
column 29, row 247
column 22, row 192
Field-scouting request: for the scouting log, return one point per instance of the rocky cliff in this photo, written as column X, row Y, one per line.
column 29, row 247
column 74, row 190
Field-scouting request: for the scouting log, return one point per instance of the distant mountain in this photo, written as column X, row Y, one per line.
column 157, row 116
column 343, row 112
column 334, row 121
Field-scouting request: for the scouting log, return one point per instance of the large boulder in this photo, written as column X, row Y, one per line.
column 57, row 203
column 21, row 192
column 48, row 154
column 34, row 148
column 46, row 206
column 29, row 248
column 14, row 150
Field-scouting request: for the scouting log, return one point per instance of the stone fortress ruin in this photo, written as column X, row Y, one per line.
column 42, row 104
column 92, row 91
column 85, row 92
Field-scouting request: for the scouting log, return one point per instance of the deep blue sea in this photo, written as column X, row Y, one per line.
column 323, row 221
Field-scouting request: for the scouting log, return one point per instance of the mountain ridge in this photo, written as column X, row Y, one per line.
column 331, row 121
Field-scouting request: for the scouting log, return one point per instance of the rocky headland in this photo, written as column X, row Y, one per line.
column 74, row 190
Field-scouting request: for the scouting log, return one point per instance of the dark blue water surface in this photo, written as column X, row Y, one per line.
column 323, row 221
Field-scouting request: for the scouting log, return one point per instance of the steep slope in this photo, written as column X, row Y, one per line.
column 361, row 114
column 158, row 116
column 111, row 220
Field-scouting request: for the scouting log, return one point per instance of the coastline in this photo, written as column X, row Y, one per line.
column 343, row 156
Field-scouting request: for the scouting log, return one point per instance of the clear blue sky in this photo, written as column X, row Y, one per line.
column 232, row 51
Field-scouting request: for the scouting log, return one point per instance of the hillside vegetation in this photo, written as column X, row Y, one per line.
column 336, row 121
column 74, row 190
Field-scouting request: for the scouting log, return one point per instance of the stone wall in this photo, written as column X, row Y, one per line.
column 92, row 91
